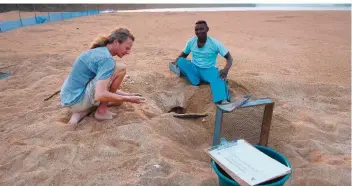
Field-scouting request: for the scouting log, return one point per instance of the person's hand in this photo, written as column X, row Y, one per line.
column 135, row 94
column 135, row 99
column 174, row 62
column 223, row 73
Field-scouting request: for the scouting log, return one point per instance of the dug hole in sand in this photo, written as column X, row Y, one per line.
column 150, row 128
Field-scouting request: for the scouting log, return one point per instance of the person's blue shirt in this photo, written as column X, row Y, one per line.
column 94, row 63
column 205, row 57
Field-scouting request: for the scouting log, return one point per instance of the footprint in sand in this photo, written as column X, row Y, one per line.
column 118, row 147
column 150, row 111
column 318, row 156
column 161, row 169
column 130, row 164
column 61, row 153
column 210, row 182
column 318, row 124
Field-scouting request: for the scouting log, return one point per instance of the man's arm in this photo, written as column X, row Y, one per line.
column 181, row 55
column 225, row 71
column 229, row 59
column 186, row 51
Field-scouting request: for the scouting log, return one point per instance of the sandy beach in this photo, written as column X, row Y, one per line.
column 300, row 59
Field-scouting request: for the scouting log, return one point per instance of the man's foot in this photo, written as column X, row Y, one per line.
column 78, row 116
column 104, row 116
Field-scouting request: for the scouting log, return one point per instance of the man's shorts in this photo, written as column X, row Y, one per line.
column 88, row 100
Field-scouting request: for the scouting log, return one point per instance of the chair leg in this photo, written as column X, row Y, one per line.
column 217, row 127
column 265, row 130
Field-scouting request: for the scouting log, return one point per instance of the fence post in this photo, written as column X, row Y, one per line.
column 19, row 13
column 62, row 17
column 35, row 14
column 48, row 16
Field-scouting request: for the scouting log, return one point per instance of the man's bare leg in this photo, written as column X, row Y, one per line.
column 102, row 112
column 78, row 116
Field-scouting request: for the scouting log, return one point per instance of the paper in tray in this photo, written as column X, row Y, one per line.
column 246, row 164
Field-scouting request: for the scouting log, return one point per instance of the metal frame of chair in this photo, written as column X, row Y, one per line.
column 266, row 122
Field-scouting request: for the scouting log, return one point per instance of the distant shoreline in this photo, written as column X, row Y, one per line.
column 258, row 8
column 123, row 7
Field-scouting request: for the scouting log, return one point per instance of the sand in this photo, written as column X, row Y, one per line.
column 299, row 59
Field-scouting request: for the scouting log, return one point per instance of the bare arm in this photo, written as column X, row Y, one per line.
column 229, row 59
column 102, row 94
column 181, row 55
column 225, row 71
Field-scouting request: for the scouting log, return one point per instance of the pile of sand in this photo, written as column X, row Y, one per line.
column 299, row 59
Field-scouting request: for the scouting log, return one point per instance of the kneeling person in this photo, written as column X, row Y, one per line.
column 95, row 78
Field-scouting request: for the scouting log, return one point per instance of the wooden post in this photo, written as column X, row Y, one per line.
column 267, row 116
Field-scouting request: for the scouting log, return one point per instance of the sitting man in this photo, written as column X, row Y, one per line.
column 203, row 65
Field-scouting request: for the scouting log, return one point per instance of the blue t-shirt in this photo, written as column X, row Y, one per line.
column 205, row 57
column 95, row 63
